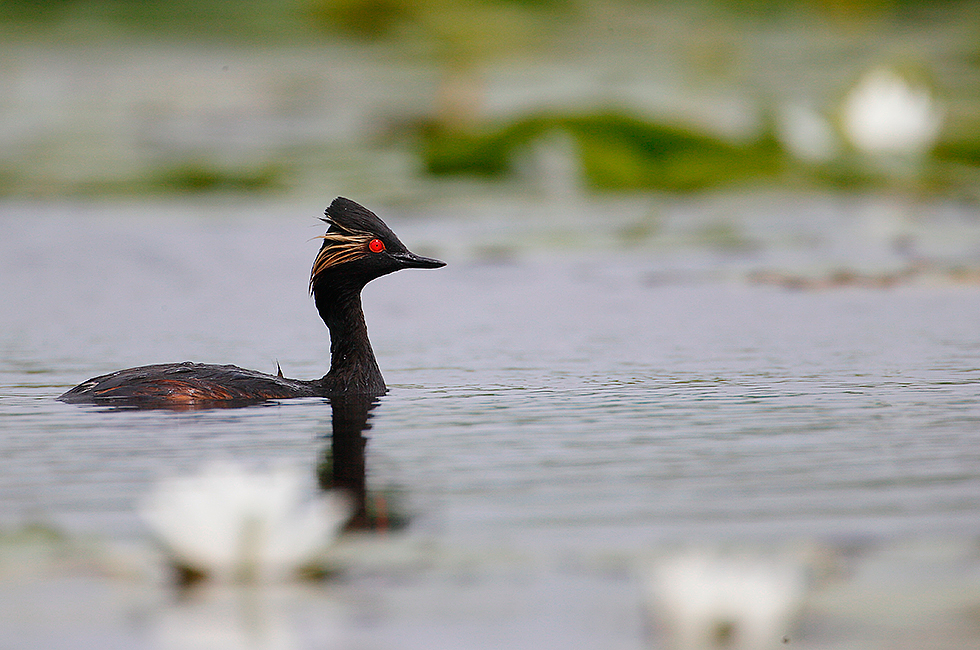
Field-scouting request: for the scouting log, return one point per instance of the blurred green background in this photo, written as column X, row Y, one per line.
column 401, row 98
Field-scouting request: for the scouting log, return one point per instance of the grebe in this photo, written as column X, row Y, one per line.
column 357, row 248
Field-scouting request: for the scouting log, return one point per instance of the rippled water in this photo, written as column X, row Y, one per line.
column 553, row 399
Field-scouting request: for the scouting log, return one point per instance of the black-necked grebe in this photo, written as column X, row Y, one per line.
column 357, row 248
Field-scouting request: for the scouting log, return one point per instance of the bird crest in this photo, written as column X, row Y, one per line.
column 352, row 228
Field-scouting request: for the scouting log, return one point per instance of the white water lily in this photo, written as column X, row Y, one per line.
column 885, row 115
column 231, row 524
column 711, row 599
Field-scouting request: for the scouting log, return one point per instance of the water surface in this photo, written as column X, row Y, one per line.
column 555, row 401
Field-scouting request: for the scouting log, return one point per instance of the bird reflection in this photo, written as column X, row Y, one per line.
column 343, row 465
column 231, row 524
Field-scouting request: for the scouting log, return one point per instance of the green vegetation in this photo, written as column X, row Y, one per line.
column 457, row 45
column 617, row 152
column 199, row 177
column 379, row 19
column 962, row 151
column 185, row 178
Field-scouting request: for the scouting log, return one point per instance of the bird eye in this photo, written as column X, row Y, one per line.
column 376, row 246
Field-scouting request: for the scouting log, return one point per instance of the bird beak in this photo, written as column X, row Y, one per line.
column 413, row 261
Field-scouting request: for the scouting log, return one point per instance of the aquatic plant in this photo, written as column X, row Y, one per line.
column 616, row 151
column 198, row 177
column 230, row 524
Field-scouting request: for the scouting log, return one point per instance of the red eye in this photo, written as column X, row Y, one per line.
column 376, row 246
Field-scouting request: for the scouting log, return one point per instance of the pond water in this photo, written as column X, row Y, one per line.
column 563, row 404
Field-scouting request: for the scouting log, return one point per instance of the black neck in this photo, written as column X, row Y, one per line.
column 353, row 368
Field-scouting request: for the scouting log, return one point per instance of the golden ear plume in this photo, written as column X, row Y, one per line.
column 341, row 247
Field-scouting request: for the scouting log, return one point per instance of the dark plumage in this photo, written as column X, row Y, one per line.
column 357, row 248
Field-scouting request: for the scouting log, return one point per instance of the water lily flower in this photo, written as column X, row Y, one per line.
column 231, row 524
column 885, row 115
column 711, row 599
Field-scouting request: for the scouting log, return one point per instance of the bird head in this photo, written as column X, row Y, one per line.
column 358, row 247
